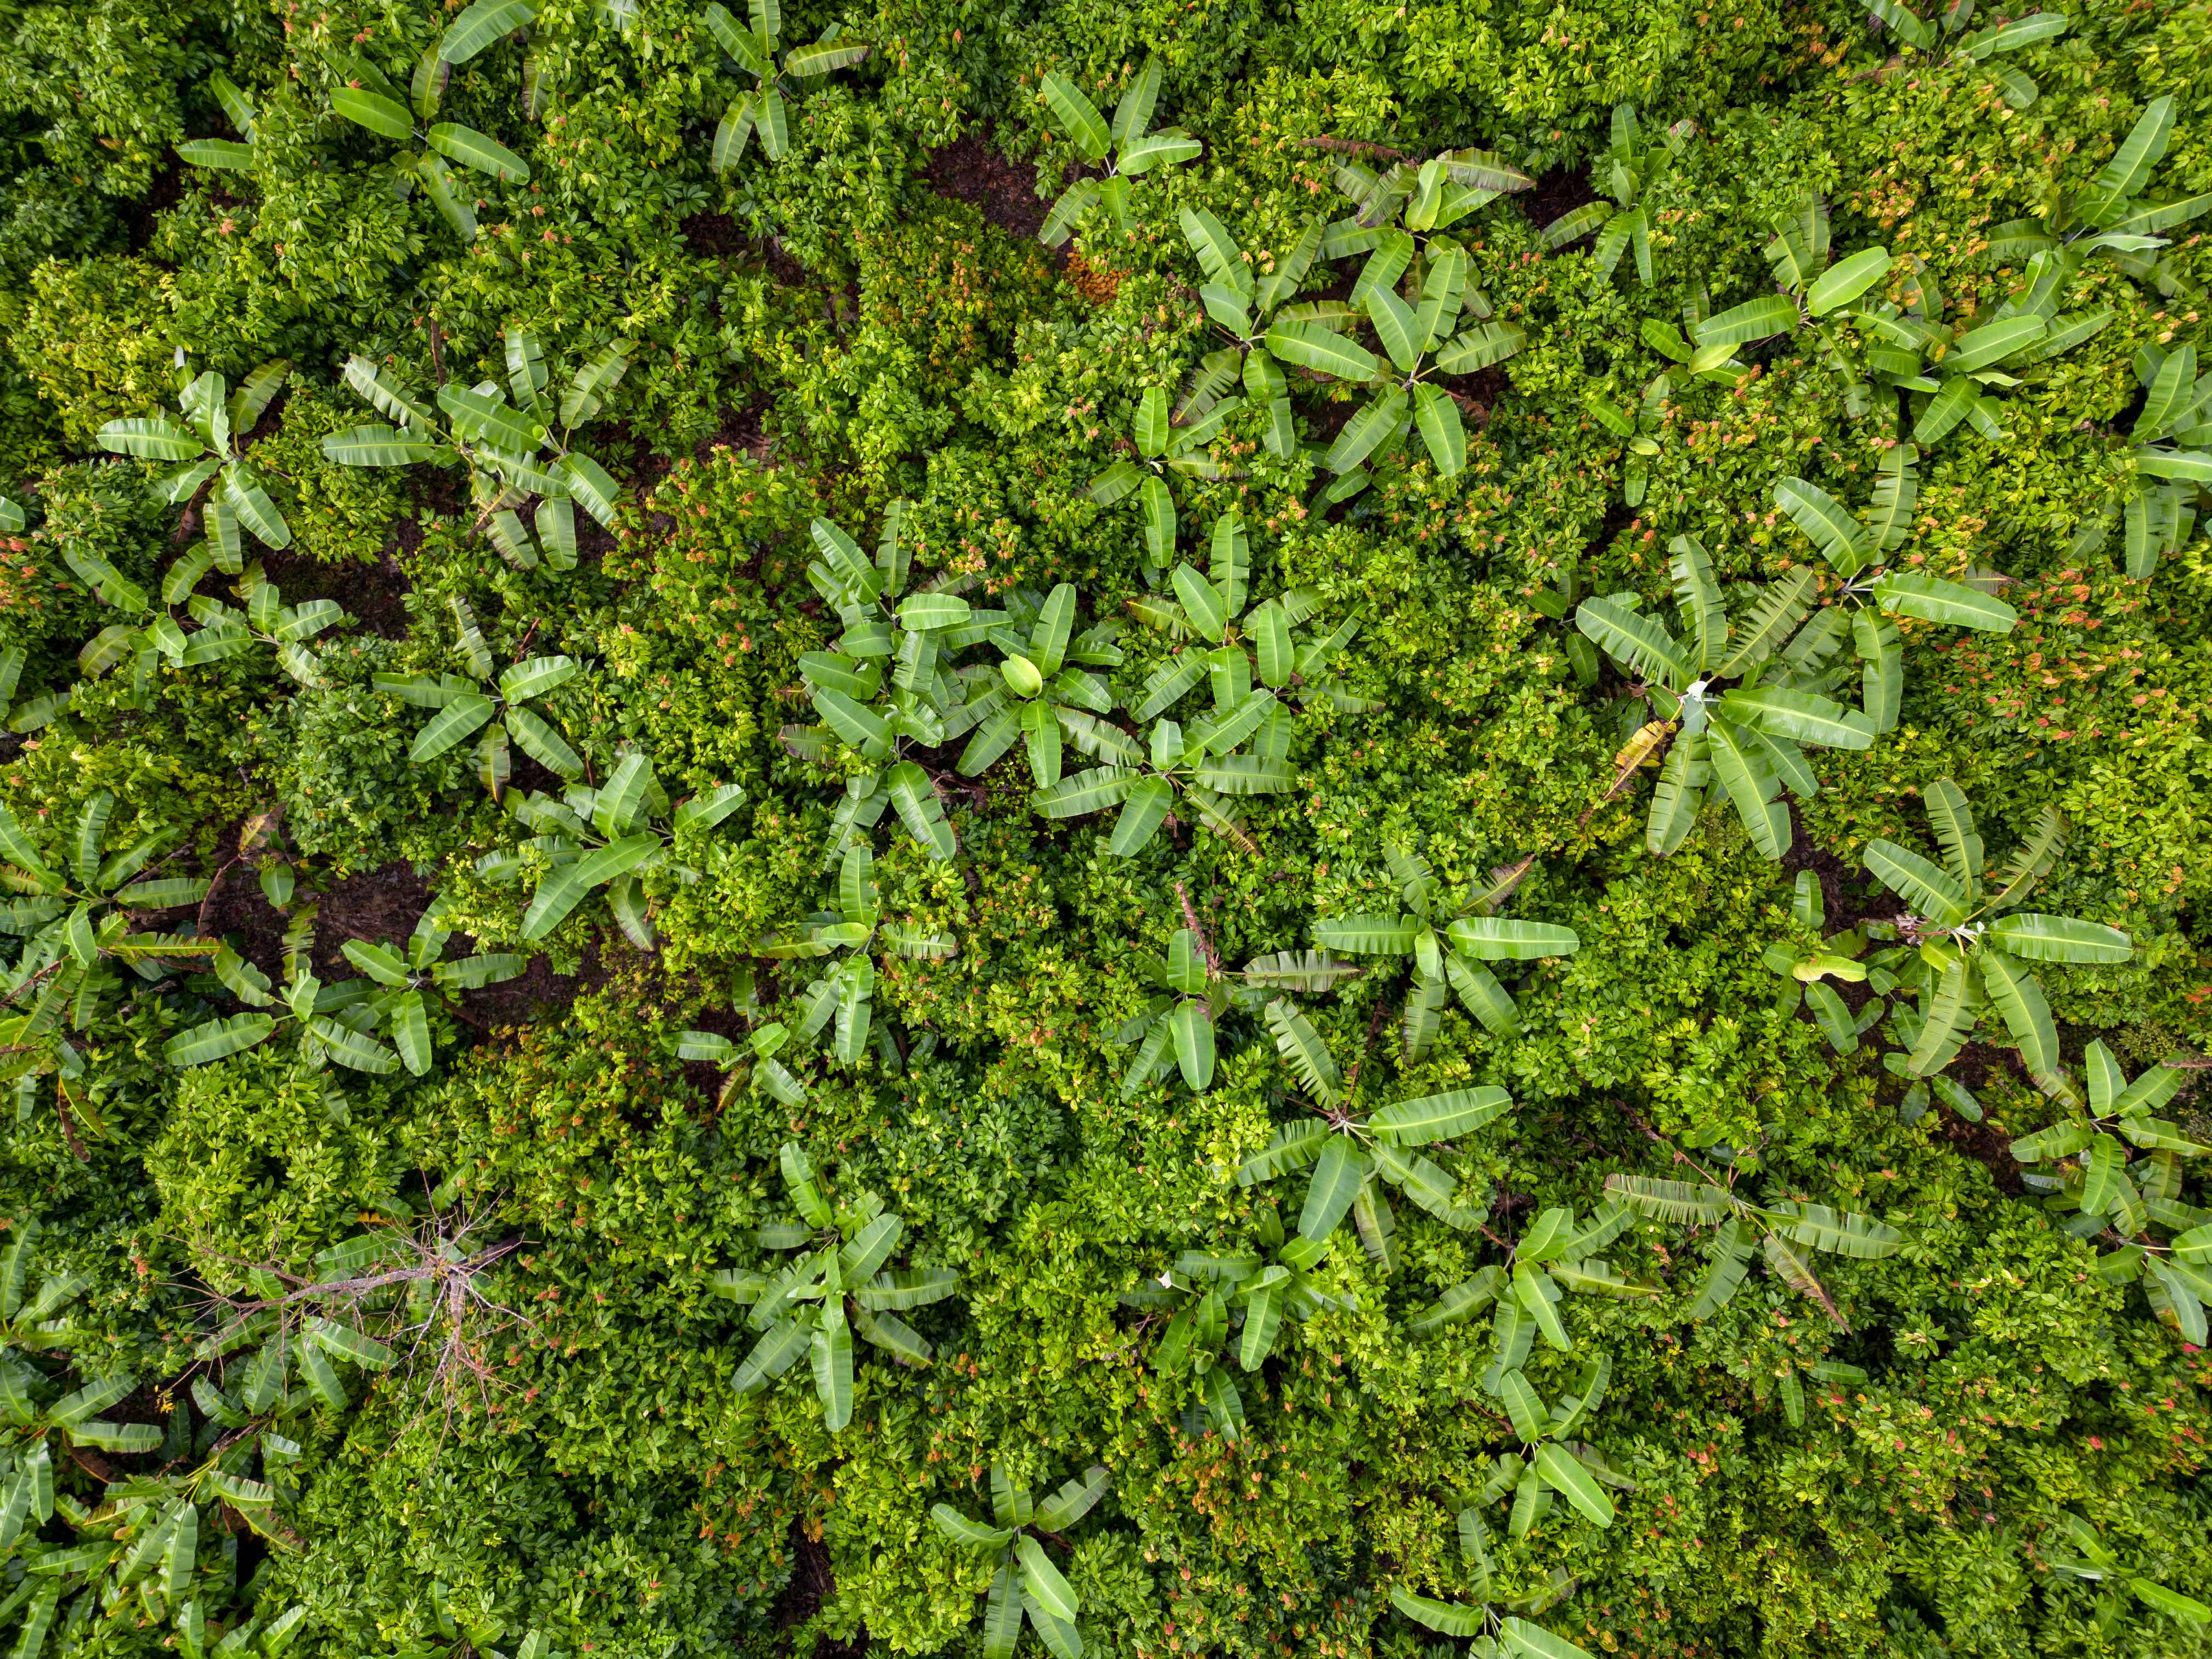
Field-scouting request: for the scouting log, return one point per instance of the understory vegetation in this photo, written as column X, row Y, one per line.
column 1145, row 831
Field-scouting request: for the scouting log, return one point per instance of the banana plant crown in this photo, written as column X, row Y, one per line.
column 2157, row 485
column 76, row 914
column 1165, row 448
column 1352, row 1153
column 472, row 703
column 1232, row 1304
column 407, row 981
column 1744, row 742
column 838, row 1286
column 1629, row 165
column 209, row 441
column 365, row 97
column 512, row 451
column 1024, row 1582
column 1966, row 947
column 1124, row 151
column 764, row 109
column 611, row 836
column 886, row 683
column 2113, row 215
column 2080, row 1554
column 1449, row 946
column 2115, row 1169
column 849, row 932
column 1243, row 296
column 1037, row 692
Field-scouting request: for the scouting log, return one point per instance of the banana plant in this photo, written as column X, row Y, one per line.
column 2094, row 1562
column 1176, row 1028
column 1421, row 334
column 1037, row 689
column 1407, row 211
column 1352, row 1152
column 472, row 703
column 752, row 1064
column 2113, row 216
column 1558, row 1254
column 1249, row 641
column 1124, row 151
column 1626, row 171
column 209, row 441
column 153, row 634
column 1812, row 290
column 1024, row 1583
column 1448, row 948
column 872, row 713
column 838, row 1288
column 1953, row 374
column 370, row 101
column 227, row 155
column 1638, row 430
column 1549, row 1464
column 35, row 712
column 329, row 1022
column 1497, row 1633
column 1200, row 770
column 1856, row 550
column 512, row 451
column 2090, row 1171
column 2157, row 486
column 1944, row 41
column 854, row 928
column 1163, row 449
column 764, row 108
column 138, row 1550
column 75, row 917
column 1967, row 947
column 609, row 838
column 1748, row 737
column 1777, row 1227
column 1805, row 973
column 409, row 980
column 1232, row 1305
column 1243, row 302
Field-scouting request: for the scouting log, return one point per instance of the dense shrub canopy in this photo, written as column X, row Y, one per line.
column 1235, row 830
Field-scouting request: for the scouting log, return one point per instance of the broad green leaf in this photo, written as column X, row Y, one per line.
column 460, row 719
column 217, row 1039
column 482, row 25
column 970, row 1535
column 1507, row 939
column 2026, row 1015
column 1845, row 280
column 1042, row 1581
column 1799, row 716
column 567, row 886
column 1526, row 1641
column 388, row 117
column 1842, row 539
column 1930, row 598
column 2059, row 939
column 1755, row 319
column 1080, row 120
column 1929, row 889
column 1309, row 345
column 1565, row 1475
column 1338, row 1173
column 1635, row 639
column 1446, row 1617
column 1437, row 1117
